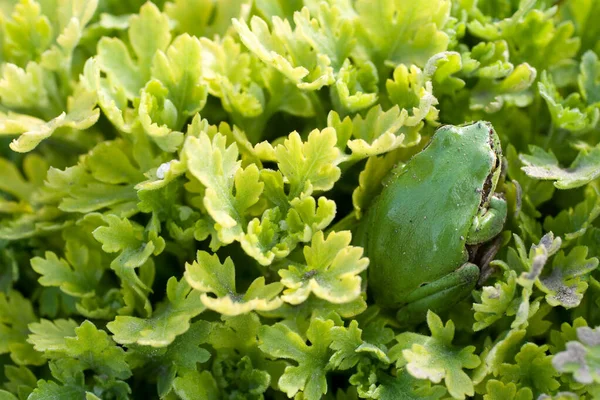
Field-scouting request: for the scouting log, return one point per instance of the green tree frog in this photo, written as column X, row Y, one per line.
column 419, row 231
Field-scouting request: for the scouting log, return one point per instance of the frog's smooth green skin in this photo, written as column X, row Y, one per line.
column 416, row 232
column 434, row 296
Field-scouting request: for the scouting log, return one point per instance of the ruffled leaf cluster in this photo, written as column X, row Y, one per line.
column 182, row 184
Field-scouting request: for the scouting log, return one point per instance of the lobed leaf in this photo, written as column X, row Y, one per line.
column 331, row 270
column 173, row 317
column 208, row 275
column 435, row 358
column 544, row 165
column 308, row 376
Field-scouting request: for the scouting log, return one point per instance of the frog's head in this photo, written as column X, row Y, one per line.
column 481, row 132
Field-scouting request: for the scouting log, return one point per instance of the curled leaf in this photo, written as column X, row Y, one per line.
column 208, row 275
column 331, row 270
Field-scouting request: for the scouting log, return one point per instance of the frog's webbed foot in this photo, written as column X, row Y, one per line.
column 489, row 222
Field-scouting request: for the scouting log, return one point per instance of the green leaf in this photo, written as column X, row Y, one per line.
column 120, row 235
column 308, row 216
column 331, row 270
column 315, row 307
column 270, row 48
column 16, row 312
column 445, row 65
column 570, row 113
column 227, row 71
column 59, row 57
column 589, row 78
column 14, row 183
column 178, row 358
column 560, row 396
column 356, row 86
column 581, row 356
column 309, row 166
column 264, row 239
column 120, row 170
column 170, row 319
column 491, row 94
column 241, row 379
column 230, row 190
column 533, row 369
column 573, row 223
column 81, row 112
column 95, row 350
column 533, row 35
column 95, row 183
column 311, row 53
column 21, row 380
column 49, row 336
column 79, row 277
column 365, row 380
column 275, row 235
column 174, row 94
column 350, row 348
column 567, row 333
column 205, row 18
column 26, row 34
column 148, row 32
column 238, row 334
column 115, row 61
column 327, row 30
column 565, row 283
column 544, row 166
column 47, row 390
column 376, row 133
column 240, row 368
column 208, row 275
column 196, row 385
column 496, row 390
column 91, row 347
column 531, row 267
column 28, row 83
column 157, row 114
column 405, row 386
column 376, row 327
column 580, row 12
column 435, row 358
column 59, row 102
column 495, row 301
column 308, row 376
column 412, row 91
column 283, row 95
column 497, row 352
column 395, row 32
column 283, row 9
column 127, row 73
column 135, row 245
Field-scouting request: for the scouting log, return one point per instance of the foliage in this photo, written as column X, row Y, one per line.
column 181, row 182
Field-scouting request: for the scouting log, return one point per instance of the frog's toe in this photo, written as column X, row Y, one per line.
column 489, row 223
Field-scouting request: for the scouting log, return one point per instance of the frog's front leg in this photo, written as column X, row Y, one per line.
column 489, row 222
column 439, row 295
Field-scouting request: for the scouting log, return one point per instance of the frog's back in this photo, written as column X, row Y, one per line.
column 418, row 226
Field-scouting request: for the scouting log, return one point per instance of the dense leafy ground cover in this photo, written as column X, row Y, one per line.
column 171, row 174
